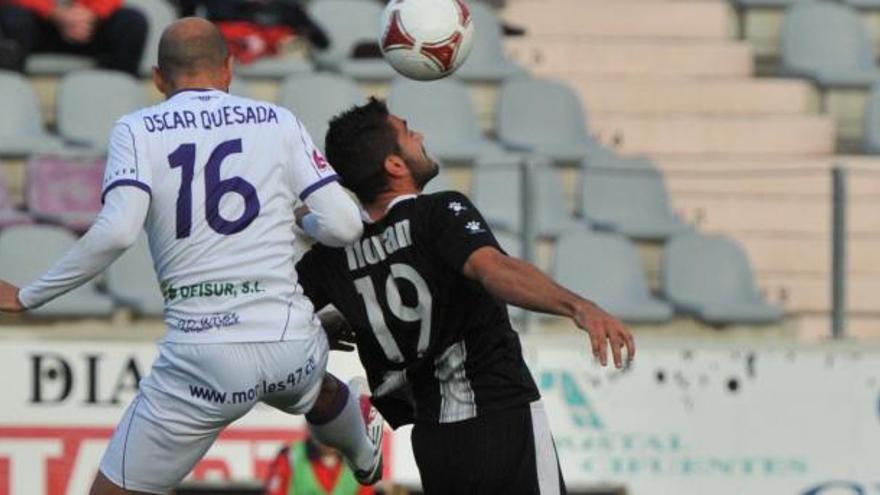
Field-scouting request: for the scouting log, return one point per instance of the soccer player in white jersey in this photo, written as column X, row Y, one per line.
column 213, row 179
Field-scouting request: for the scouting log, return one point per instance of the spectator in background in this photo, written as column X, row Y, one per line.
column 257, row 28
column 103, row 29
column 310, row 468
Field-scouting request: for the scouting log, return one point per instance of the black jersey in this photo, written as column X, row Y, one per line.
column 436, row 345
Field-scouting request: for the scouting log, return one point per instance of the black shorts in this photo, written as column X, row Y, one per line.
column 508, row 452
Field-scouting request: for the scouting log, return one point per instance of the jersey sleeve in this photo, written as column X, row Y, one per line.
column 457, row 228
column 309, row 276
column 310, row 171
column 124, row 167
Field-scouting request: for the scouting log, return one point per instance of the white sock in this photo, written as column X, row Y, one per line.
column 347, row 434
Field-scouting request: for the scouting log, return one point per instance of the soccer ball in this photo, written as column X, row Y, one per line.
column 426, row 39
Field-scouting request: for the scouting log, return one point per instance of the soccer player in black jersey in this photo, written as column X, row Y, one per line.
column 424, row 291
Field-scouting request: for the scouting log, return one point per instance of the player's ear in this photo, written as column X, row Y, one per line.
column 159, row 81
column 396, row 167
column 227, row 73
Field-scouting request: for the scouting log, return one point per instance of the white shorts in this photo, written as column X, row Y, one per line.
column 196, row 390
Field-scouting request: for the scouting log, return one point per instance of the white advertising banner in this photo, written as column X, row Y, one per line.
column 685, row 419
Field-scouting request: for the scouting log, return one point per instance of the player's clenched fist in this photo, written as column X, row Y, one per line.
column 602, row 327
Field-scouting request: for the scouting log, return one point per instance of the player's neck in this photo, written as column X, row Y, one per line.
column 379, row 208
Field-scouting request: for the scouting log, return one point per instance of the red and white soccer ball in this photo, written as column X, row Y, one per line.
column 426, row 39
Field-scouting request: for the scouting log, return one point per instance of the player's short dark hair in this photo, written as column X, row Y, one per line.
column 357, row 144
column 191, row 51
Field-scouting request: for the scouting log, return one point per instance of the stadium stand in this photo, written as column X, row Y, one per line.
column 65, row 189
column 606, row 266
column 9, row 215
column 297, row 93
column 627, row 195
column 497, row 192
column 159, row 14
column 21, row 128
column 349, row 23
column 21, row 263
column 442, row 111
column 487, row 60
column 728, row 295
column 90, row 101
column 131, row 281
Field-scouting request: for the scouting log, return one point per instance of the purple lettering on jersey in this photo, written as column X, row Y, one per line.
column 216, row 188
column 148, row 124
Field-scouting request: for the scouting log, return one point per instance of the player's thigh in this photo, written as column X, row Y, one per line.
column 502, row 452
column 190, row 395
column 294, row 373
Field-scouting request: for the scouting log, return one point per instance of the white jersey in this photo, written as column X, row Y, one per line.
column 224, row 173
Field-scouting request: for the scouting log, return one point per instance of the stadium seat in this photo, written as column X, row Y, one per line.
column 64, row 189
column 709, row 276
column 9, row 215
column 348, row 23
column 337, row 93
column 275, row 67
column 497, row 192
column 864, row 4
column 21, row 127
column 131, row 280
column 444, row 113
column 160, row 14
column 487, row 61
column 605, row 268
column 90, row 102
column 545, row 117
column 627, row 195
column 30, row 250
column 764, row 3
column 871, row 136
column 512, row 245
column 828, row 43
column 239, row 87
column 57, row 64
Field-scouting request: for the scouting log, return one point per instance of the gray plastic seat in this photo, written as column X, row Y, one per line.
column 765, row 3
column 828, row 43
column 627, row 195
column 605, row 268
column 497, row 192
column 21, row 127
column 160, row 14
column 864, row 4
column 57, row 64
column 487, row 61
column 275, row 67
column 442, row 111
column 21, row 264
column 709, row 276
column 90, row 102
column 347, row 23
column 545, row 117
column 131, row 280
column 316, row 98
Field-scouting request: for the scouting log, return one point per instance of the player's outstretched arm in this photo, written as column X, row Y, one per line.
column 331, row 216
column 521, row 284
column 9, row 302
column 115, row 229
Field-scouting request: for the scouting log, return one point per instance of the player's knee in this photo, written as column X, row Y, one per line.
column 330, row 402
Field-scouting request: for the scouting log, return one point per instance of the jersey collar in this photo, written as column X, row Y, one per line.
column 399, row 199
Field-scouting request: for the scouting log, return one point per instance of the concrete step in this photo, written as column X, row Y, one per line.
column 696, row 135
column 740, row 96
column 812, row 293
column 637, row 18
column 631, row 57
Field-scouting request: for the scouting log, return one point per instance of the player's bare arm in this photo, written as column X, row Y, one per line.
column 523, row 285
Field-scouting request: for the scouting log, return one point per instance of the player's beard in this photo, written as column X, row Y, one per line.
column 422, row 169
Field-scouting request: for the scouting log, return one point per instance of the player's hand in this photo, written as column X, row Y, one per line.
column 299, row 213
column 9, row 302
column 603, row 327
column 340, row 334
